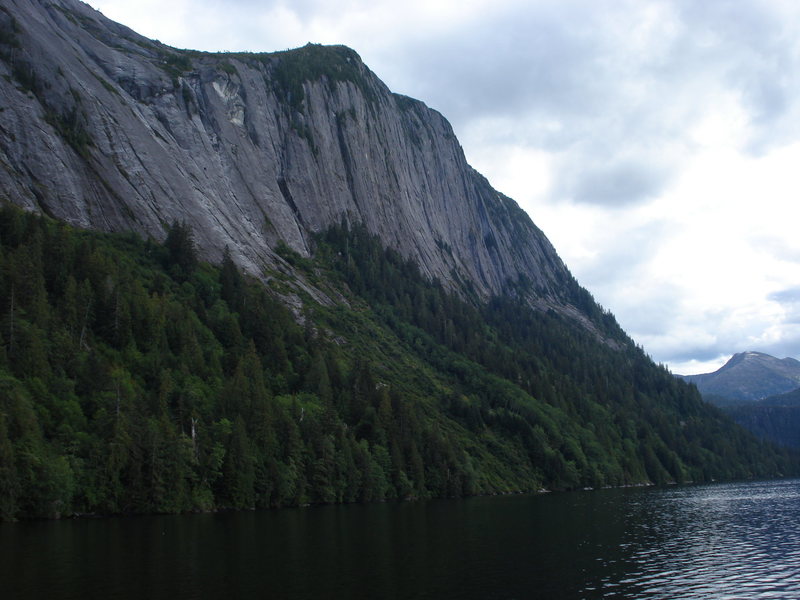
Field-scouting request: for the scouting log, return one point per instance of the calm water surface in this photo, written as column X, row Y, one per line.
column 715, row 541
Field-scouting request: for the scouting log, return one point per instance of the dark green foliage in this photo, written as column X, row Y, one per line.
column 313, row 62
column 105, row 84
column 232, row 283
column 405, row 102
column 181, row 257
column 179, row 61
column 135, row 379
column 173, row 62
column 584, row 413
column 68, row 119
column 9, row 29
column 778, row 422
column 71, row 126
column 227, row 67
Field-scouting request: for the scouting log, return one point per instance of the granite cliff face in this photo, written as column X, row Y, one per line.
column 109, row 130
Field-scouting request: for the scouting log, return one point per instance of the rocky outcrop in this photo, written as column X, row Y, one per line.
column 106, row 129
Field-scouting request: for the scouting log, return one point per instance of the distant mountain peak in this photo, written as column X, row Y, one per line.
column 752, row 357
column 747, row 377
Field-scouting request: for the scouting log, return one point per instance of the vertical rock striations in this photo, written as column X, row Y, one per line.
column 106, row 129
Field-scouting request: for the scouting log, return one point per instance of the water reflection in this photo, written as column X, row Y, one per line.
column 720, row 541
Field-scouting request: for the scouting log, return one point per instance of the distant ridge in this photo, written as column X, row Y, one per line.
column 758, row 391
column 748, row 377
column 775, row 418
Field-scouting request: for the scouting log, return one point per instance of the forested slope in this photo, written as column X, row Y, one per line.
column 134, row 378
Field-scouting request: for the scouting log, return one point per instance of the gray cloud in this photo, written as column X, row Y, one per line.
column 602, row 81
column 679, row 347
column 776, row 246
column 786, row 296
column 652, row 315
column 700, row 354
column 621, row 257
column 563, row 80
column 789, row 299
column 755, row 48
column 615, row 184
column 509, row 66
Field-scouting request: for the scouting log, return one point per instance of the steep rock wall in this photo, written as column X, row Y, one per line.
column 106, row 129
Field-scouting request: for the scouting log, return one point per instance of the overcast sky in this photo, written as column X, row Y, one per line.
column 657, row 144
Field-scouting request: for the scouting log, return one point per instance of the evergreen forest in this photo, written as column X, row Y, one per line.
column 135, row 378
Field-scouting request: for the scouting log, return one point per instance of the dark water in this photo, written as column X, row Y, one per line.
column 693, row 542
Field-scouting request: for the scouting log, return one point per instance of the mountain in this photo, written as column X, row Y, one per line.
column 787, row 400
column 262, row 280
column 775, row 418
column 748, row 377
column 770, row 419
column 759, row 392
column 248, row 150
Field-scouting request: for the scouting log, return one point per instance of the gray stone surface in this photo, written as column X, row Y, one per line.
column 106, row 129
